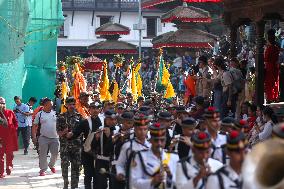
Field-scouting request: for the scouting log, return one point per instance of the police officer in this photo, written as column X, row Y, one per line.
column 182, row 143
column 70, row 150
column 193, row 171
column 141, row 122
column 102, row 147
column 87, row 159
column 154, row 168
column 229, row 176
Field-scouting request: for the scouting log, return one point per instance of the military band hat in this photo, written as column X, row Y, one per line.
column 70, row 100
column 188, row 123
column 236, row 140
column 199, row 100
column 228, row 122
column 241, row 124
column 201, row 140
column 120, row 105
column 157, row 130
column 147, row 102
column 165, row 116
column 95, row 104
column 127, row 116
column 212, row 113
column 110, row 114
column 181, row 109
column 140, row 98
column 170, row 107
column 141, row 119
column 129, row 95
column 278, row 131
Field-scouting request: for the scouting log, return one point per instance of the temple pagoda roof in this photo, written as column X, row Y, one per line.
column 112, row 47
column 185, row 38
column 112, row 29
column 186, row 14
column 146, row 4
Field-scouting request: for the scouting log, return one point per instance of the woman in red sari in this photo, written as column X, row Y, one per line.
column 8, row 137
column 271, row 57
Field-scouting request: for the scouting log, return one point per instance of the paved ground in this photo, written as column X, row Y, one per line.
column 25, row 174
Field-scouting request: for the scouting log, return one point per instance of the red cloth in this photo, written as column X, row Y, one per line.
column 271, row 82
column 8, row 134
column 251, row 121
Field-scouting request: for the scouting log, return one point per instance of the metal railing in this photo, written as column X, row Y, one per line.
column 101, row 5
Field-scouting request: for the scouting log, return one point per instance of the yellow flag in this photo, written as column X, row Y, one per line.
column 139, row 84
column 170, row 92
column 166, row 76
column 115, row 92
column 104, row 85
column 133, row 85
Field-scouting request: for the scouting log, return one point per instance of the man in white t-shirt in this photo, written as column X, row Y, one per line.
column 45, row 121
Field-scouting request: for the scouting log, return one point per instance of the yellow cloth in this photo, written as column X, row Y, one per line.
column 170, row 92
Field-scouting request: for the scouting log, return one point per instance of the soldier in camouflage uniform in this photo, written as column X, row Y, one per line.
column 70, row 150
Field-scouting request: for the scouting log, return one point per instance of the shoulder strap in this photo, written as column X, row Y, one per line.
column 184, row 167
column 39, row 117
column 143, row 165
column 89, row 119
column 220, row 180
column 127, row 168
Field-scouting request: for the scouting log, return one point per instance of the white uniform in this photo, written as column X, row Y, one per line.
column 126, row 149
column 143, row 169
column 218, row 151
column 224, row 178
column 191, row 168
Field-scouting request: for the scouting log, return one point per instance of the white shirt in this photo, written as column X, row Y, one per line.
column 228, row 180
column 48, row 123
column 267, row 131
column 182, row 182
column 126, row 149
column 30, row 118
column 217, row 153
column 141, row 180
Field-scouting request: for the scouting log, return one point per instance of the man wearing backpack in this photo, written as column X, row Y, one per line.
column 45, row 121
column 91, row 124
column 229, row 176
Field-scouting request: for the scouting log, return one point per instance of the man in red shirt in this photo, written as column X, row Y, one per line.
column 8, row 137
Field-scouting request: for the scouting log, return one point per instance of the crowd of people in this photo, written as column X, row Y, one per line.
column 196, row 142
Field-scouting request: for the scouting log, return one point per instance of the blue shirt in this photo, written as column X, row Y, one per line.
column 22, row 119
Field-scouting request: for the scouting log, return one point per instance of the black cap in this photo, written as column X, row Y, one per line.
column 84, row 94
column 201, row 140
column 140, row 98
column 70, row 100
column 236, row 141
column 95, row 104
column 165, row 116
column 157, row 130
column 241, row 124
column 181, row 109
column 141, row 119
column 228, row 122
column 188, row 123
column 212, row 113
column 120, row 105
column 147, row 102
column 110, row 114
column 202, row 59
column 129, row 95
column 278, row 131
column 127, row 116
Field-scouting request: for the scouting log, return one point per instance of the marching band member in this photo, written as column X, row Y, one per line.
column 212, row 117
column 154, row 168
column 229, row 176
column 128, row 149
column 182, row 144
column 193, row 171
column 165, row 118
column 124, row 133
